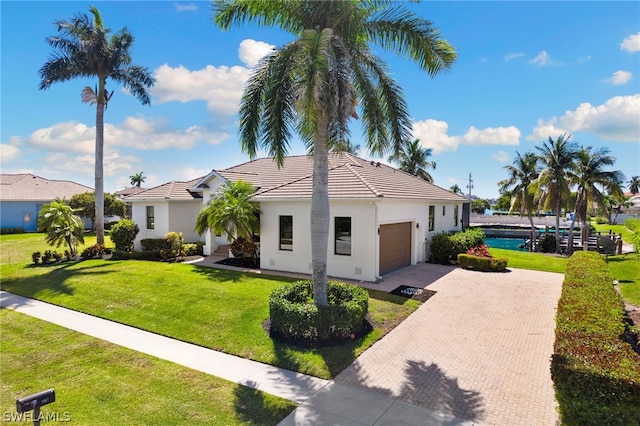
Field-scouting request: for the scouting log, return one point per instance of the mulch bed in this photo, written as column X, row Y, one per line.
column 240, row 263
column 416, row 293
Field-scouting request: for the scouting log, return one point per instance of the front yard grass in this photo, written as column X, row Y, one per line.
column 97, row 382
column 218, row 309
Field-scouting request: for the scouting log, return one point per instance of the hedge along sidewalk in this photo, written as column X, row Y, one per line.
column 595, row 371
column 276, row 381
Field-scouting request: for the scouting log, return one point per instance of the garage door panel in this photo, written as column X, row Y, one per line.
column 395, row 246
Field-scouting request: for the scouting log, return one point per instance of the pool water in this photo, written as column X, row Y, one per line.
column 505, row 243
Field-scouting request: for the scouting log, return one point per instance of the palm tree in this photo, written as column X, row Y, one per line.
column 522, row 174
column 314, row 84
column 589, row 176
column 344, row 146
column 557, row 158
column 634, row 184
column 455, row 189
column 412, row 158
column 137, row 179
column 85, row 48
column 231, row 210
column 61, row 225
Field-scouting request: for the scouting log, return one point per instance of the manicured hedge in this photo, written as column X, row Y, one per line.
column 484, row 264
column 136, row 255
column 595, row 371
column 294, row 315
column 446, row 247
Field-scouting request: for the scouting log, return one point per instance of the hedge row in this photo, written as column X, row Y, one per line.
column 484, row 264
column 596, row 372
column 446, row 247
column 294, row 315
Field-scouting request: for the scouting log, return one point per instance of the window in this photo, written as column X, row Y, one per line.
column 150, row 218
column 343, row 236
column 432, row 216
column 444, row 210
column 286, row 233
column 455, row 215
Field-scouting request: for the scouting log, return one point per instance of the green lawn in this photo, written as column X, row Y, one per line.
column 533, row 261
column 218, row 309
column 97, row 382
column 605, row 229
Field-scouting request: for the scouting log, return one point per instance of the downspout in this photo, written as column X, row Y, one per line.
column 376, row 227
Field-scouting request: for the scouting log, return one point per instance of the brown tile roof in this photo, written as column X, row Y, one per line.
column 129, row 191
column 174, row 190
column 28, row 187
column 349, row 177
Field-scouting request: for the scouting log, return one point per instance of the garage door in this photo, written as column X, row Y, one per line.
column 395, row 246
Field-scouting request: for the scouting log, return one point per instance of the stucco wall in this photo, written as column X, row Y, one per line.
column 182, row 218
column 139, row 216
column 14, row 214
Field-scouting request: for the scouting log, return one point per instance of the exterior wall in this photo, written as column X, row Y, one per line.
column 358, row 266
column 161, row 215
column 20, row 214
column 211, row 241
column 182, row 218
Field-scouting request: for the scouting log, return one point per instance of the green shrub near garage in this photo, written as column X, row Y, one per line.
column 484, row 264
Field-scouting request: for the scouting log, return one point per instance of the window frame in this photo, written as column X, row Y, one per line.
column 335, row 234
column 282, row 245
column 151, row 218
column 456, row 212
column 432, row 218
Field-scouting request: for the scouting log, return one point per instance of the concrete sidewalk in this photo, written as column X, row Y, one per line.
column 323, row 402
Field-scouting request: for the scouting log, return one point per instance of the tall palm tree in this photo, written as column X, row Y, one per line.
column 231, row 210
column 137, row 179
column 590, row 177
column 557, row 158
column 59, row 221
column 413, row 159
column 634, row 184
column 85, row 48
column 522, row 174
column 315, row 83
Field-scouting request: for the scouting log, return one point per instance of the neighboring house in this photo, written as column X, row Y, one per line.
column 165, row 208
column 381, row 218
column 22, row 197
column 123, row 194
column 631, row 212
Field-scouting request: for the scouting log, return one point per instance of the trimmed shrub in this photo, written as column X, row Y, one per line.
column 93, row 251
column 601, row 220
column 136, row 255
column 173, row 247
column 461, row 242
column 294, row 315
column 632, row 224
column 441, row 248
column 6, row 231
column 151, row 244
column 595, row 371
column 193, row 249
column 482, row 263
column 123, row 234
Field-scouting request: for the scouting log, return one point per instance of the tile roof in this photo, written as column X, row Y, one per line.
column 349, row 177
column 174, row 190
column 28, row 187
column 129, row 191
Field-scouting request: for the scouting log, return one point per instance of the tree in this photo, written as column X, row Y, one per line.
column 503, row 203
column 85, row 205
column 345, row 146
column 413, row 159
column 137, row 179
column 589, row 176
column 522, row 174
column 480, row 205
column 231, row 210
column 61, row 225
column 455, row 189
column 634, row 184
column 85, row 48
column 553, row 184
column 315, row 83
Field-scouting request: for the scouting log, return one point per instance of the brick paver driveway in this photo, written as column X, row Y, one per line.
column 479, row 349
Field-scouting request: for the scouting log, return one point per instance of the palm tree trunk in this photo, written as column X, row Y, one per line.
column 558, row 226
column 573, row 223
column 320, row 214
column 532, row 238
column 99, row 168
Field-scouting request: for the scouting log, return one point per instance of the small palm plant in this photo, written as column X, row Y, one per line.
column 61, row 225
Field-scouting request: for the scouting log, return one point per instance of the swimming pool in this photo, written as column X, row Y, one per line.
column 505, row 243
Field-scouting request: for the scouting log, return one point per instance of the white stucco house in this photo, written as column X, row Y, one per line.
column 381, row 218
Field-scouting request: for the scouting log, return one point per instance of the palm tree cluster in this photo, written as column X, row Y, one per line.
column 560, row 175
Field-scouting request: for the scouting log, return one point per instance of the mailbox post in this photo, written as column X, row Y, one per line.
column 34, row 402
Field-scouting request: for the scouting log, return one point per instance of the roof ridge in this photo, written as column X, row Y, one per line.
column 364, row 181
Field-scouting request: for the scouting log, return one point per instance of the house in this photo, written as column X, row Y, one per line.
column 381, row 218
column 124, row 193
column 22, row 197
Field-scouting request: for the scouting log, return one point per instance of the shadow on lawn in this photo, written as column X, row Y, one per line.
column 253, row 408
column 222, row 275
column 54, row 279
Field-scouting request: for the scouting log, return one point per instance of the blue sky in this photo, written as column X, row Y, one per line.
column 526, row 71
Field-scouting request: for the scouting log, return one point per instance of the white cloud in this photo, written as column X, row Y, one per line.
column 513, row 55
column 616, row 119
column 584, row 59
column 220, row 87
column 190, row 172
column 251, row 51
column 185, row 7
column 543, row 59
column 492, row 136
column 620, row 77
column 631, row 43
column 501, row 156
column 8, row 153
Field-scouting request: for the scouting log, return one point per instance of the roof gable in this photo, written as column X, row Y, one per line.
column 28, row 187
column 174, row 190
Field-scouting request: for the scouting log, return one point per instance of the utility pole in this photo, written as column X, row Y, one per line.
column 470, row 185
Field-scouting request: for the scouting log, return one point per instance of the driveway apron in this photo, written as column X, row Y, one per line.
column 479, row 349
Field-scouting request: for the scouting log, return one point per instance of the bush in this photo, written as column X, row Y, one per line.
column 173, row 247
column 294, row 315
column 601, row 220
column 461, row 242
column 595, row 371
column 151, row 244
column 193, row 249
column 482, row 263
column 93, row 251
column 547, row 244
column 153, row 255
column 441, row 248
column 632, row 224
column 5, row 231
column 123, row 234
column 241, row 247
column 35, row 257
